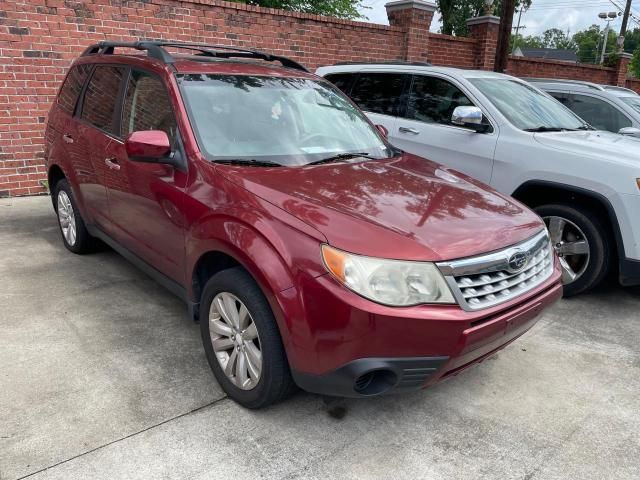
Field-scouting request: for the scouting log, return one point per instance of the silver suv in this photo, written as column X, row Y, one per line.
column 604, row 107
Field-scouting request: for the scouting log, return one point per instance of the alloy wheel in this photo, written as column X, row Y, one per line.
column 235, row 340
column 67, row 218
column 571, row 245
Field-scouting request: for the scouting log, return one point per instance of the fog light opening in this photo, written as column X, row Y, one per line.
column 375, row 382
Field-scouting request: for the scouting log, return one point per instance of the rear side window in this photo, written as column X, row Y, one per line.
column 378, row 92
column 147, row 106
column 433, row 100
column 72, row 87
column 599, row 113
column 101, row 96
column 342, row 80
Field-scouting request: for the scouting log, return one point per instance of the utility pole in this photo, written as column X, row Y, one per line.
column 517, row 28
column 623, row 28
column 504, row 34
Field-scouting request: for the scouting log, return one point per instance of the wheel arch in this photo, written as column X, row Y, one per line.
column 54, row 175
column 539, row 192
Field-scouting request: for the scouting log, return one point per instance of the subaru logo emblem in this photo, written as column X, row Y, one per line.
column 518, row 261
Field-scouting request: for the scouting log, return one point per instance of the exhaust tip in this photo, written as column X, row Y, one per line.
column 375, row 382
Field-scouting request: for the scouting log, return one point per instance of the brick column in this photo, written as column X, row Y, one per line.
column 622, row 68
column 485, row 31
column 415, row 17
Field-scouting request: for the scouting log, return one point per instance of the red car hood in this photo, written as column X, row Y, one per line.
column 404, row 208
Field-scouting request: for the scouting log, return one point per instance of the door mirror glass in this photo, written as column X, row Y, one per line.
column 469, row 117
column 383, row 130
column 630, row 131
column 148, row 146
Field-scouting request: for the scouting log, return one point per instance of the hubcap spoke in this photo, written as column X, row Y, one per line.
column 251, row 333
column 579, row 247
column 231, row 310
column 255, row 356
column 254, row 371
column 222, row 343
column 568, row 275
column 243, row 317
column 241, row 370
column 218, row 327
column 231, row 364
column 556, row 229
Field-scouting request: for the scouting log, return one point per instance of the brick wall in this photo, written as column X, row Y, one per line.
column 543, row 68
column 452, row 51
column 40, row 38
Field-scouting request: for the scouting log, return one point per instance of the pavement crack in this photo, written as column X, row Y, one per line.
column 195, row 410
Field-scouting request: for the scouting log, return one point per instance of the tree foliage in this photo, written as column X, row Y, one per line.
column 456, row 12
column 589, row 43
column 348, row 9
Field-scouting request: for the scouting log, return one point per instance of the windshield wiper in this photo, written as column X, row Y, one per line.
column 251, row 162
column 542, row 128
column 339, row 157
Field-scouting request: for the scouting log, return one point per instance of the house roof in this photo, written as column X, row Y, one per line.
column 549, row 53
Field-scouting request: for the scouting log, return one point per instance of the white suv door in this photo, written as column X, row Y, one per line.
column 425, row 128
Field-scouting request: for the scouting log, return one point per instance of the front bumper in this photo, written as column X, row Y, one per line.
column 368, row 352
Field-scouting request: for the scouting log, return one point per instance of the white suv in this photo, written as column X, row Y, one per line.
column 604, row 107
column 501, row 130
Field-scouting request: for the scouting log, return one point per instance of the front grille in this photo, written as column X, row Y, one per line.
column 487, row 280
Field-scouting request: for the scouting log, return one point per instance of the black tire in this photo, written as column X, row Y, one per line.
column 600, row 245
column 275, row 382
column 84, row 242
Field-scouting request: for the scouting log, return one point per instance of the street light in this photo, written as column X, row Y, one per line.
column 607, row 17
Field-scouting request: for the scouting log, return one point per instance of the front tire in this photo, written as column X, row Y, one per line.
column 74, row 232
column 242, row 342
column 582, row 244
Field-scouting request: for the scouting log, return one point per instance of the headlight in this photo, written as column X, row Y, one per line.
column 390, row 282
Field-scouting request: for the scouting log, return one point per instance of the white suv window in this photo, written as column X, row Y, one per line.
column 378, row 92
column 598, row 113
column 433, row 100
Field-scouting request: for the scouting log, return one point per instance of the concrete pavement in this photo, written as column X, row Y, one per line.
column 102, row 375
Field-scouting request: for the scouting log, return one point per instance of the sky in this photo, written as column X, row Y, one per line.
column 571, row 15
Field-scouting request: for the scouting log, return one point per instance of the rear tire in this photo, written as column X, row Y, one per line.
column 249, row 360
column 74, row 232
column 574, row 229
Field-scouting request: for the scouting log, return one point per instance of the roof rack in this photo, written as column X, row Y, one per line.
column 389, row 62
column 591, row 85
column 619, row 89
column 157, row 49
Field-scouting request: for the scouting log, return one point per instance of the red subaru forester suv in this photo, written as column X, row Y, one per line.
column 312, row 251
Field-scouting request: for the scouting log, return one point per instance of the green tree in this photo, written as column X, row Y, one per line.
column 556, row 38
column 348, row 9
column 589, row 43
column 632, row 40
column 634, row 65
column 455, row 13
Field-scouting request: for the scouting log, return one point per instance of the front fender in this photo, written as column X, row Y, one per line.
column 276, row 255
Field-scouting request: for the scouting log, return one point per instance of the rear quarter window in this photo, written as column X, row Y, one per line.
column 72, row 86
column 343, row 81
column 101, row 97
column 378, row 92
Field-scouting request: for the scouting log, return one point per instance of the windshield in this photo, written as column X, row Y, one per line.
column 632, row 101
column 286, row 121
column 526, row 107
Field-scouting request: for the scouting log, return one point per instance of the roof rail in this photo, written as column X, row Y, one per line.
column 592, row 85
column 618, row 89
column 157, row 49
column 389, row 62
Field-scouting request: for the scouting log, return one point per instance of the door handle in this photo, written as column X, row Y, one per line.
column 411, row 131
column 67, row 138
column 112, row 163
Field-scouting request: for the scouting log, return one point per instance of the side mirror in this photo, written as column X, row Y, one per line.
column 630, row 131
column 151, row 146
column 469, row 117
column 383, row 130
